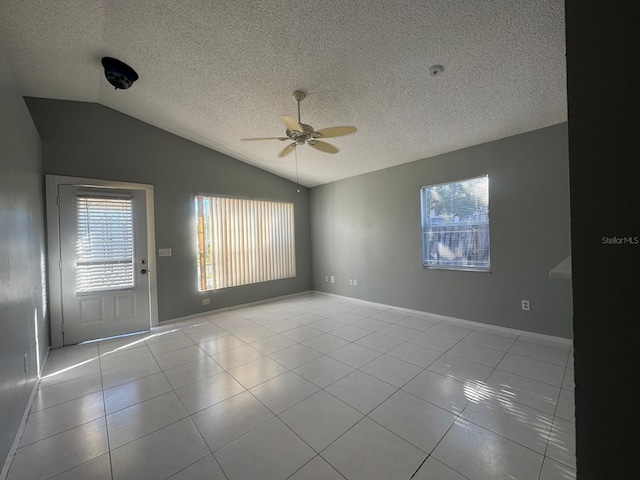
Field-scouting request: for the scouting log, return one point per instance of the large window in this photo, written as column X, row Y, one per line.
column 243, row 241
column 455, row 225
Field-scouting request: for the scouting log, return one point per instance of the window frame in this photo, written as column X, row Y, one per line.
column 424, row 229
column 292, row 272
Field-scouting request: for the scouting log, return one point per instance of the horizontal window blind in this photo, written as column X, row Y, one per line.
column 243, row 241
column 455, row 225
column 104, row 243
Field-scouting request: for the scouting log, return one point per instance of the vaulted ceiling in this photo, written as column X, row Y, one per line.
column 216, row 72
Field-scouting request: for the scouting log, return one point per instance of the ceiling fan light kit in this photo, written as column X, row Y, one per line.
column 300, row 133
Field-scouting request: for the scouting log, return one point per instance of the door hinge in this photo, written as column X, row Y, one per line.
column 60, row 264
column 62, row 327
column 58, row 201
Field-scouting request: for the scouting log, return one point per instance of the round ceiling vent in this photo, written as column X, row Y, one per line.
column 118, row 73
column 436, row 70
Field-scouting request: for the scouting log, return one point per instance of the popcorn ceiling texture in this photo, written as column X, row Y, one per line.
column 216, row 72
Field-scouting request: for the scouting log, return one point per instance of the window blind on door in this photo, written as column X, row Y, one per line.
column 104, row 243
column 243, row 241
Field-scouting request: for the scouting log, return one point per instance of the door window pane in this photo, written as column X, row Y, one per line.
column 104, row 243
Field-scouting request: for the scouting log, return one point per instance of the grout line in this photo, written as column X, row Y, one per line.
column 475, row 396
column 419, row 467
column 199, row 460
column 104, row 407
column 488, row 326
column 67, row 429
column 189, row 416
column 305, row 309
column 316, row 456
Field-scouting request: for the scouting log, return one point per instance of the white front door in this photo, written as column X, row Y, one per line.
column 104, row 267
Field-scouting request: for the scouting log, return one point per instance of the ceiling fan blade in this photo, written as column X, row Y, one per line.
column 291, row 123
column 323, row 146
column 336, row 131
column 282, row 139
column 287, row 150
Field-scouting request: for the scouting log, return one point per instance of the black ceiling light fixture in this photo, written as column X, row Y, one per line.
column 118, row 73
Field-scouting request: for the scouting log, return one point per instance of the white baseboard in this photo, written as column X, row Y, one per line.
column 23, row 422
column 234, row 307
column 539, row 336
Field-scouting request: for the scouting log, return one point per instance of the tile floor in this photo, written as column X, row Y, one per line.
column 311, row 387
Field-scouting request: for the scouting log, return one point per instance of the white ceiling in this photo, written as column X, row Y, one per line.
column 216, row 72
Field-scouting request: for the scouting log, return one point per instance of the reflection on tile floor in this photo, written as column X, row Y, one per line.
column 310, row 387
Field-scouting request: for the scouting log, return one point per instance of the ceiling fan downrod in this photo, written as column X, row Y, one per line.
column 298, row 97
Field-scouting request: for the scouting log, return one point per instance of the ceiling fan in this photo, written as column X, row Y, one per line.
column 300, row 133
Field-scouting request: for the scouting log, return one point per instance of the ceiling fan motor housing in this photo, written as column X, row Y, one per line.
column 306, row 134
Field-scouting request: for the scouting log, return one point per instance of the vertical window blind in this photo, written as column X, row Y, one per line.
column 104, row 243
column 243, row 241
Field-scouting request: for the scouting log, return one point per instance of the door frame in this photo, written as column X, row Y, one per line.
column 54, row 273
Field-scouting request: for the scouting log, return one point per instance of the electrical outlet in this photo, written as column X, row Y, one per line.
column 351, row 281
column 355, row 281
column 333, row 280
column 526, row 305
column 326, row 278
column 26, row 363
column 206, row 301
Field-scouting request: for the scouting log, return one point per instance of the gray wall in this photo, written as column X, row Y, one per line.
column 21, row 257
column 93, row 141
column 368, row 227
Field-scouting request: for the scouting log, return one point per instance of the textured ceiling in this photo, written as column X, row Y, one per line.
column 216, row 72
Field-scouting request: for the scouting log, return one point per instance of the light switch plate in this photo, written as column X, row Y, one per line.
column 164, row 252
